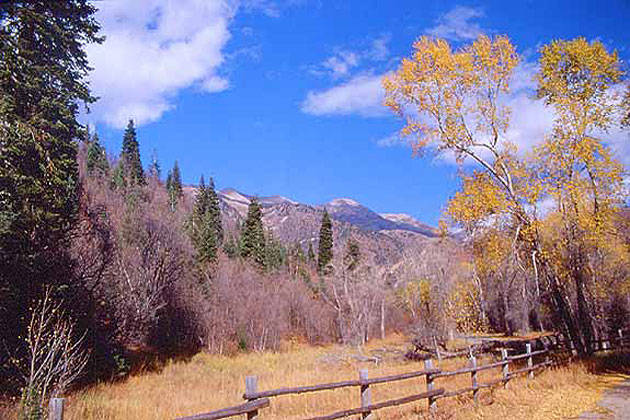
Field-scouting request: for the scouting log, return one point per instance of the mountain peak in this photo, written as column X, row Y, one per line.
column 344, row 202
column 232, row 194
column 408, row 222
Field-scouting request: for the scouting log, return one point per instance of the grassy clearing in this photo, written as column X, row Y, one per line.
column 561, row 393
column 209, row 382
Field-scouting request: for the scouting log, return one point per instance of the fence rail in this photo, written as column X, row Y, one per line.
column 258, row 400
column 246, row 408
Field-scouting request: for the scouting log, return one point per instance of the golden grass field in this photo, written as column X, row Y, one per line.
column 209, row 382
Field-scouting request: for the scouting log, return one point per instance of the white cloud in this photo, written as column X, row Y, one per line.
column 267, row 7
column 215, row 84
column 378, row 48
column 344, row 60
column 394, row 140
column 457, row 24
column 341, row 63
column 361, row 95
column 154, row 48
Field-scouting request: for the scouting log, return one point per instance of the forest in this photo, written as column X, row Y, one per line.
column 107, row 264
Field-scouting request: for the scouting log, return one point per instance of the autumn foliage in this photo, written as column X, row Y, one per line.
column 542, row 224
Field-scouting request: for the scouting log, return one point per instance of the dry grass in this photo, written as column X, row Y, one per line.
column 209, row 382
column 561, row 393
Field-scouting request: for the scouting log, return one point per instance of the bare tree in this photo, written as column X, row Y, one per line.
column 55, row 358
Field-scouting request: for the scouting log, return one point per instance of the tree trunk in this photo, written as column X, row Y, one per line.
column 383, row 319
column 563, row 312
column 584, row 317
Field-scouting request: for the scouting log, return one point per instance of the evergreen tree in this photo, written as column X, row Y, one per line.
column 131, row 156
column 230, row 247
column 215, row 211
column 207, row 232
column 202, row 198
column 43, row 82
column 353, row 255
column 205, row 240
column 174, row 186
column 118, row 177
column 253, row 236
column 275, row 253
column 97, row 163
column 325, row 244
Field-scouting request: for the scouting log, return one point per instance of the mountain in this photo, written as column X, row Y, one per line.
column 347, row 210
column 396, row 243
column 278, row 210
column 407, row 222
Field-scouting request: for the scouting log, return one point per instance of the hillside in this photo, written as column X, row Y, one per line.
column 395, row 243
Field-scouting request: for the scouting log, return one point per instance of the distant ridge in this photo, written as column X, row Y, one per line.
column 341, row 209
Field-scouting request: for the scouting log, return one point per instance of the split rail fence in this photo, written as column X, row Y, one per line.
column 553, row 350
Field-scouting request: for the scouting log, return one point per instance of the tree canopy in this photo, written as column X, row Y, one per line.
column 325, row 251
column 454, row 101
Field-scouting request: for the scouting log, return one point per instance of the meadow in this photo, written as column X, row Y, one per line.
column 208, row 382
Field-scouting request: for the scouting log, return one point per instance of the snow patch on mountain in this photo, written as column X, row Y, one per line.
column 344, row 202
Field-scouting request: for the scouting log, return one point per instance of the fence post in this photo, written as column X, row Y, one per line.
column 473, row 378
column 530, row 360
column 366, row 394
column 251, row 386
column 428, row 365
column 506, row 367
column 620, row 334
column 55, row 408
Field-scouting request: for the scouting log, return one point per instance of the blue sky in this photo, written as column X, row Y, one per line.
column 283, row 97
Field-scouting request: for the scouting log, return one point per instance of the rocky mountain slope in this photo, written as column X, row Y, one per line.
column 391, row 241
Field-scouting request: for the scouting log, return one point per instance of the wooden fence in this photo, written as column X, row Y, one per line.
column 257, row 400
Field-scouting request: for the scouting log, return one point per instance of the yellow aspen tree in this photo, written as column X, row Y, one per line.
column 577, row 169
column 452, row 101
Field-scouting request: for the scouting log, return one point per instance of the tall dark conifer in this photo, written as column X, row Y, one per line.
column 215, row 210
column 97, row 163
column 207, row 232
column 253, row 235
column 352, row 257
column 131, row 156
column 43, row 82
column 325, row 244
column 174, row 185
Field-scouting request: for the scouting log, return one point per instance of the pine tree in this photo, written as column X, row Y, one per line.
column 174, row 186
column 275, row 253
column 118, row 180
column 206, row 243
column 207, row 232
column 230, row 247
column 353, row 255
column 43, row 83
column 97, row 163
column 131, row 156
column 253, row 236
column 215, row 210
column 201, row 198
column 325, row 244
